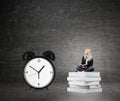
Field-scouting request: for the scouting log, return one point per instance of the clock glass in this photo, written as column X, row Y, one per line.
column 39, row 72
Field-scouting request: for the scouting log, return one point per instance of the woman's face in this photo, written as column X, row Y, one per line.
column 86, row 52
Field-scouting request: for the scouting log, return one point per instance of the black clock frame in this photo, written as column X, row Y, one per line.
column 53, row 70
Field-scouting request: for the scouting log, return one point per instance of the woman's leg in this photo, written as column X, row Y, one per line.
column 89, row 69
column 78, row 68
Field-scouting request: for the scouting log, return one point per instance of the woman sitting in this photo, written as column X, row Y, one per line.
column 87, row 62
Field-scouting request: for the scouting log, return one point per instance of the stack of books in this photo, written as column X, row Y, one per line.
column 84, row 82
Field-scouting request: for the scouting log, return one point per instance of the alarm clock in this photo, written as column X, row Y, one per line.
column 39, row 71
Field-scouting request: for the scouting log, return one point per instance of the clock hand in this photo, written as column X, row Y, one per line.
column 41, row 69
column 38, row 75
column 33, row 69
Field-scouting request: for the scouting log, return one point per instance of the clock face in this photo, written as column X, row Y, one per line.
column 39, row 72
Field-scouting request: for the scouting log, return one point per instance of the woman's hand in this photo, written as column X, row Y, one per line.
column 84, row 66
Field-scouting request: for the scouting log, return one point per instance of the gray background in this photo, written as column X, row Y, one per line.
column 66, row 27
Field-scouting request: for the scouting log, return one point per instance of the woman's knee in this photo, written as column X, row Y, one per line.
column 90, row 68
column 78, row 68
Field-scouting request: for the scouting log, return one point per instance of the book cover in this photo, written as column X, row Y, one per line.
column 70, row 89
column 85, row 87
column 84, row 74
column 83, row 79
column 84, row 83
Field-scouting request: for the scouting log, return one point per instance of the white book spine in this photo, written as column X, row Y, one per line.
column 95, row 86
column 83, row 79
column 84, row 74
column 85, row 87
column 84, row 83
column 84, row 90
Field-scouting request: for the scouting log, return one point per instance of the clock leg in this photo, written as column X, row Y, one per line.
column 47, row 88
column 29, row 88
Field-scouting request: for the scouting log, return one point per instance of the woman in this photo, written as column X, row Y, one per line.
column 87, row 62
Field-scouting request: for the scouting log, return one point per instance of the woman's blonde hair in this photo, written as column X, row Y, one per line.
column 88, row 53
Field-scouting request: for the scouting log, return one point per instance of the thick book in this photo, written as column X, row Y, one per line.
column 84, row 83
column 83, row 79
column 86, row 91
column 85, row 87
column 84, row 74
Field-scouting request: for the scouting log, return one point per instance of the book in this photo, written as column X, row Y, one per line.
column 84, row 83
column 84, row 74
column 83, row 79
column 85, row 87
column 86, row 91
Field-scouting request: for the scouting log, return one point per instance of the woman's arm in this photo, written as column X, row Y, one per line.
column 90, row 63
column 83, row 65
column 82, row 62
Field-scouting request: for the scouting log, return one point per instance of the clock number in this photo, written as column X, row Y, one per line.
column 38, row 60
column 26, row 72
column 38, row 83
column 51, row 72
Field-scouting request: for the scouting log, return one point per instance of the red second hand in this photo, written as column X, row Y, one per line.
column 32, row 74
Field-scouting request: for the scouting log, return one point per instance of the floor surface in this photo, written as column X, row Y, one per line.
column 56, row 92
